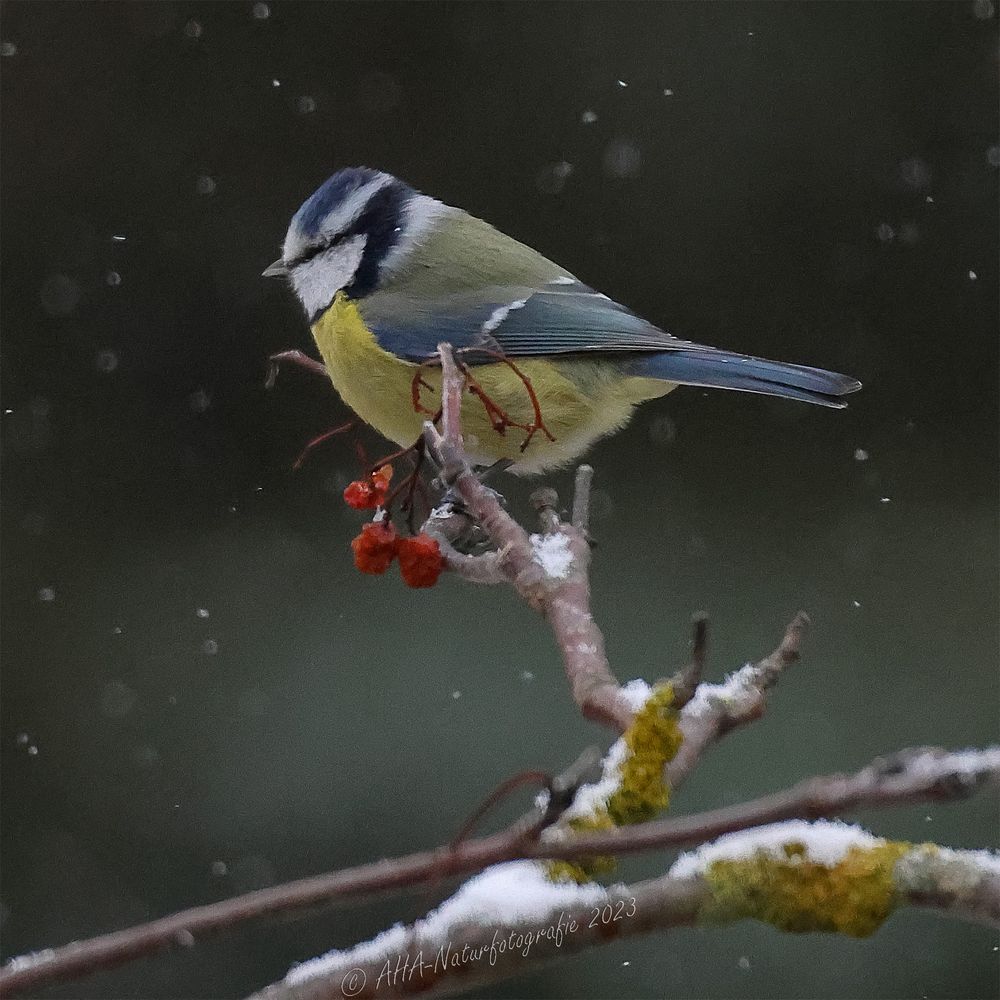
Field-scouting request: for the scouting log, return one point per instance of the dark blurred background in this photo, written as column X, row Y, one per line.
column 202, row 696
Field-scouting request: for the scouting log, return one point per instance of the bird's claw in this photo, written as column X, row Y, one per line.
column 453, row 499
column 451, row 496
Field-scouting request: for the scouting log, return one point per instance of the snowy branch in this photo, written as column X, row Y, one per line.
column 926, row 774
column 715, row 709
column 512, row 918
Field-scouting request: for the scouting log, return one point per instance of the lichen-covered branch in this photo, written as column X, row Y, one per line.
column 833, row 877
column 926, row 774
column 796, row 876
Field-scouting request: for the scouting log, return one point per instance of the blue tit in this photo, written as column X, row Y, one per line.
column 386, row 273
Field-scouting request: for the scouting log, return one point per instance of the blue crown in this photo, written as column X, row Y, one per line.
column 328, row 195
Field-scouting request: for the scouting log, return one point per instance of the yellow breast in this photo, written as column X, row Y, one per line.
column 580, row 400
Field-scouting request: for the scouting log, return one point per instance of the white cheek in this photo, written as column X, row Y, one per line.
column 317, row 280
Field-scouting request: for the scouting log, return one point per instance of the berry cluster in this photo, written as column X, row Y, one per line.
column 420, row 560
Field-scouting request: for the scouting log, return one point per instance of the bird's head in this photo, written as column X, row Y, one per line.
column 348, row 235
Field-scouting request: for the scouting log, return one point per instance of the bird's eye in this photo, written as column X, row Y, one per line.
column 328, row 243
column 321, row 247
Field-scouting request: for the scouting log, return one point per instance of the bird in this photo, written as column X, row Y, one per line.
column 386, row 273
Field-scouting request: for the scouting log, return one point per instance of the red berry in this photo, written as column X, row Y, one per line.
column 360, row 495
column 366, row 494
column 420, row 560
column 375, row 548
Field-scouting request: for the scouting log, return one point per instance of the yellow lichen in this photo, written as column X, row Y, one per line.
column 652, row 740
column 585, row 869
column 598, row 820
column 582, row 871
column 852, row 897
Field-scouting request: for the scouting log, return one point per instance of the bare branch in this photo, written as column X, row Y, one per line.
column 715, row 709
column 595, row 688
column 551, row 574
column 546, row 502
column 110, row 950
column 581, row 498
column 685, row 682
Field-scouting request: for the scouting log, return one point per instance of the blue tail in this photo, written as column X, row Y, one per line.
column 724, row 370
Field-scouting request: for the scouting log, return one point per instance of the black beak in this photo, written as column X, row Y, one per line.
column 275, row 270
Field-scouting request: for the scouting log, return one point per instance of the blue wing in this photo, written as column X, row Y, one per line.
column 571, row 318
column 515, row 321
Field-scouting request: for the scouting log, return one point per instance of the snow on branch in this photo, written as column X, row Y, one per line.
column 910, row 776
column 796, row 876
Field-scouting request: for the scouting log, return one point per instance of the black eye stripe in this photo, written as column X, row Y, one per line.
column 320, row 248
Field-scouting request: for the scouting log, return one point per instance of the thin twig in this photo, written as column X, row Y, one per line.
column 546, row 502
column 685, row 682
column 293, row 357
column 581, row 498
column 715, row 709
column 498, row 417
column 319, row 439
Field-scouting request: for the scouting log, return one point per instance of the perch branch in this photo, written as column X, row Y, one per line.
column 549, row 571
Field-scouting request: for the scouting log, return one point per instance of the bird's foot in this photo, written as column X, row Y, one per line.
column 452, row 498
